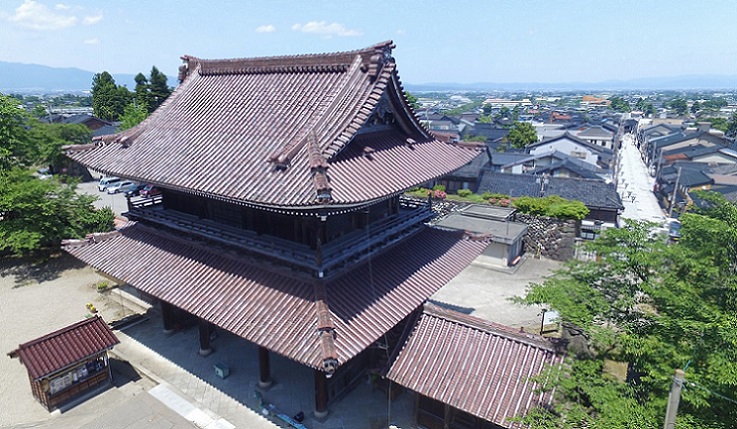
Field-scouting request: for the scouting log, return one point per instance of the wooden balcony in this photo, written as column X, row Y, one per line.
column 326, row 262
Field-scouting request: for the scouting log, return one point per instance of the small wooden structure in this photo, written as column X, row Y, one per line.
column 68, row 362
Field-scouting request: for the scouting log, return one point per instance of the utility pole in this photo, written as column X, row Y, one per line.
column 675, row 192
column 673, row 399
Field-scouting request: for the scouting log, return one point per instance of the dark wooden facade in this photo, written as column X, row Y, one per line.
column 62, row 386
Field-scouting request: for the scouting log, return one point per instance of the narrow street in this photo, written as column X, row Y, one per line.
column 635, row 186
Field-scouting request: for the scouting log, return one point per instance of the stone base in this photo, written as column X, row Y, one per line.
column 320, row 415
column 205, row 352
column 168, row 331
column 265, row 384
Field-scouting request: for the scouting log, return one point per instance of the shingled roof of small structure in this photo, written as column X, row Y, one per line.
column 278, row 131
column 61, row 348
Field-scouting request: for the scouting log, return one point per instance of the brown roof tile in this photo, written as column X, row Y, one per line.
column 59, row 349
column 474, row 365
column 241, row 130
column 273, row 309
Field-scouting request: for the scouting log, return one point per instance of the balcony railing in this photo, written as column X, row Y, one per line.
column 348, row 249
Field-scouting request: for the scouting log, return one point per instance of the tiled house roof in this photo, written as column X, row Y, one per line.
column 288, row 314
column 477, row 366
column 282, row 131
column 593, row 193
column 59, row 349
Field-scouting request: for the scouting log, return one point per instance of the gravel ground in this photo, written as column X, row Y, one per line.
column 36, row 298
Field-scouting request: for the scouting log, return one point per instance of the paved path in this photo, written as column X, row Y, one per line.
column 635, row 185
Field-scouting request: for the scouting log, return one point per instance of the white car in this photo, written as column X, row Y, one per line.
column 121, row 186
column 107, row 181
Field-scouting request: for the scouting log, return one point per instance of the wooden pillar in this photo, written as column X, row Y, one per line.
column 321, row 395
column 167, row 315
column 205, row 347
column 264, row 368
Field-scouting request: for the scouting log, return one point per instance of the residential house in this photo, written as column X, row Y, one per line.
column 575, row 147
column 597, row 135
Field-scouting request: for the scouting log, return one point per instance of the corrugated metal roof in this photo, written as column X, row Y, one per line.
column 59, row 349
column 477, row 366
column 230, row 123
column 274, row 309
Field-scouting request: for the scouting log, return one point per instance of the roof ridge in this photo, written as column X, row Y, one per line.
column 487, row 326
column 326, row 330
column 58, row 332
column 300, row 63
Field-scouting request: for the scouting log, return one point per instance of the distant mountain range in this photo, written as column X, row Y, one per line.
column 30, row 78
column 694, row 82
column 33, row 78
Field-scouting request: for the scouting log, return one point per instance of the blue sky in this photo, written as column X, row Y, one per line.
column 437, row 40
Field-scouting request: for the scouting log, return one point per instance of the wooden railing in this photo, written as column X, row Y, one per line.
column 351, row 248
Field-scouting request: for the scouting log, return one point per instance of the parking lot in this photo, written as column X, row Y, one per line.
column 116, row 202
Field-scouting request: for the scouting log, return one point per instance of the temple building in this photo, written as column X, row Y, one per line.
column 281, row 216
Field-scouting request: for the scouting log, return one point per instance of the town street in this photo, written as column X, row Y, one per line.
column 635, row 185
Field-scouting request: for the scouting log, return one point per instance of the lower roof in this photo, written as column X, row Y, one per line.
column 272, row 308
column 477, row 366
column 60, row 349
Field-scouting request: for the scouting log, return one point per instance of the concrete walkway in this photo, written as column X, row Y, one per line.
column 172, row 361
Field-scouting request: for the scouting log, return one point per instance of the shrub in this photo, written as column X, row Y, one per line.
column 439, row 194
column 552, row 206
column 438, row 188
column 465, row 193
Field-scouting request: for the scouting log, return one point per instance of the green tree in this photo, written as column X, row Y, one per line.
column 108, row 99
column 522, row 134
column 618, row 104
column 679, row 106
column 142, row 96
column 654, row 307
column 40, row 213
column 158, row 89
column 695, row 107
column 412, row 100
column 133, row 115
column 14, row 144
column 731, row 130
column 48, row 139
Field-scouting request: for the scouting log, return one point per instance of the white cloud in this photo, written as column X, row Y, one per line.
column 38, row 17
column 89, row 20
column 92, row 41
column 266, row 29
column 400, row 32
column 325, row 29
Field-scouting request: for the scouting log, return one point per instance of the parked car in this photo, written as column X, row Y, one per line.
column 107, row 181
column 149, row 191
column 121, row 186
column 135, row 191
column 44, row 174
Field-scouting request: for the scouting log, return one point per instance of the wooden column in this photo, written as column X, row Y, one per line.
column 167, row 315
column 264, row 368
column 321, row 395
column 205, row 347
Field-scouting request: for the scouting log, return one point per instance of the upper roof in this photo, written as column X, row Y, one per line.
column 59, row 349
column 282, row 131
column 477, row 366
column 308, row 320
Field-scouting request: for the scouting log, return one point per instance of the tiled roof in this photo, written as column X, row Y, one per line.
column 595, row 131
column 593, row 193
column 59, row 349
column 480, row 367
column 275, row 309
column 602, row 151
column 272, row 131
